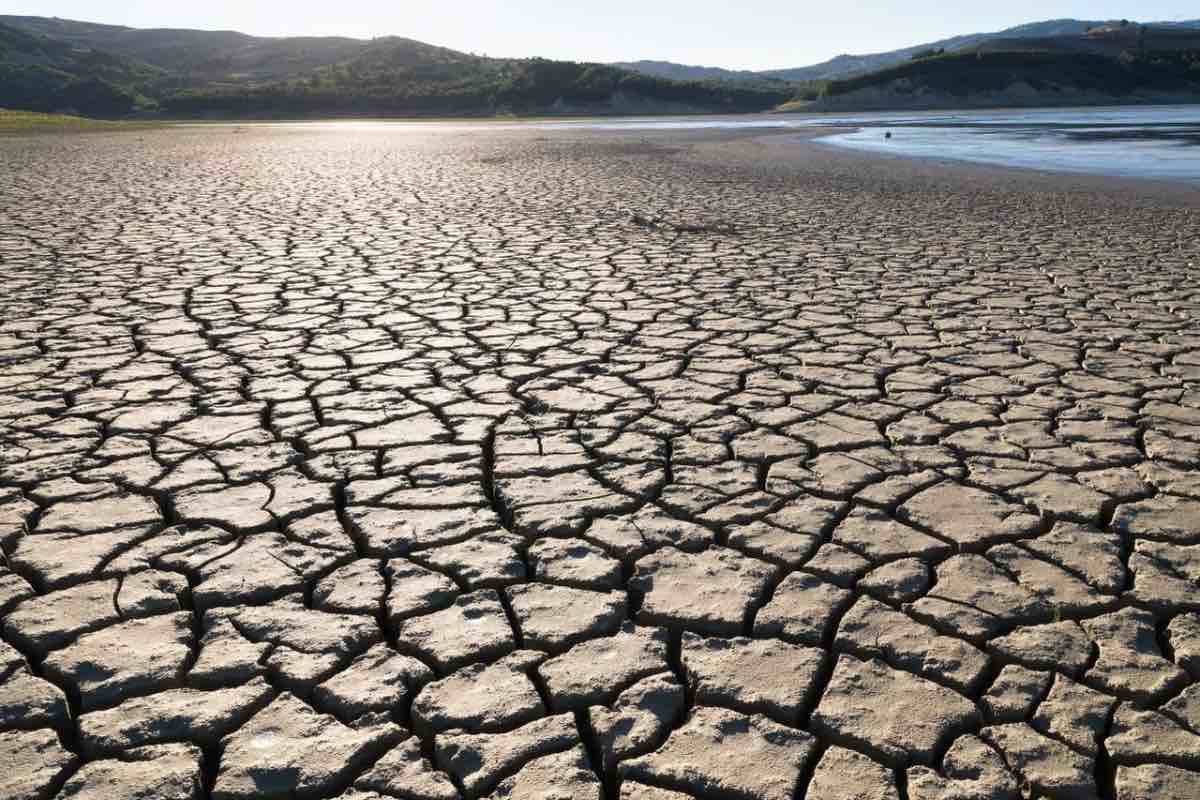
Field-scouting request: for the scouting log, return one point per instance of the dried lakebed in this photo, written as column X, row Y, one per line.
column 523, row 464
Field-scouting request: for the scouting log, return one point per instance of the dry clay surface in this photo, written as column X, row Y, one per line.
column 382, row 464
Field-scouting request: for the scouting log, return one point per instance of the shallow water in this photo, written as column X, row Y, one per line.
column 1159, row 142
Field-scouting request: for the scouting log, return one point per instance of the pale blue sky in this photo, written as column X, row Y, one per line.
column 753, row 34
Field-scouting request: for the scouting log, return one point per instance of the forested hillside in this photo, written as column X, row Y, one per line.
column 49, row 65
column 40, row 74
column 52, row 65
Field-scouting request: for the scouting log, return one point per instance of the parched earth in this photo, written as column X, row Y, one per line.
column 373, row 463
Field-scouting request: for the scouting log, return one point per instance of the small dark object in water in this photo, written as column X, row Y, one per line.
column 887, row 135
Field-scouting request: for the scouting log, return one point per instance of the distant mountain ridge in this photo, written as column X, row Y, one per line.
column 51, row 64
column 1119, row 64
column 38, row 74
column 669, row 69
column 196, row 54
column 844, row 66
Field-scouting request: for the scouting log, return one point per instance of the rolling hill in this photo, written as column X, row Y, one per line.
column 385, row 82
column 688, row 72
column 844, row 66
column 41, row 74
column 1048, row 71
column 49, row 64
column 198, row 56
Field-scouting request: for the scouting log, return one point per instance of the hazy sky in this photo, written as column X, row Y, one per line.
column 753, row 34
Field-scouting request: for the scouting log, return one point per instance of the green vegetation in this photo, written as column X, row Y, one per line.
column 1010, row 39
column 387, row 83
column 41, row 74
column 202, row 73
column 960, row 74
column 930, row 53
column 195, row 57
column 54, row 65
column 35, row 122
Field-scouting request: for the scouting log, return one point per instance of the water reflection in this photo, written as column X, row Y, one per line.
column 1147, row 141
column 1159, row 143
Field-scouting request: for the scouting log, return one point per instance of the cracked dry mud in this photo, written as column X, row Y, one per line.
column 439, row 466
